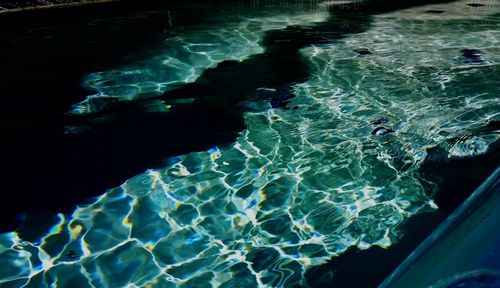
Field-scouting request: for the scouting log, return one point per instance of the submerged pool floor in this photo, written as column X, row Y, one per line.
column 341, row 110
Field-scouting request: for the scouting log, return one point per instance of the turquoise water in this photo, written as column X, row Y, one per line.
column 298, row 186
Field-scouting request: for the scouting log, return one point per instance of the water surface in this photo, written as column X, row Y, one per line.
column 329, row 159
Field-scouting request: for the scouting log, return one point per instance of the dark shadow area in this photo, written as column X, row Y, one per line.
column 49, row 171
column 44, row 57
column 457, row 178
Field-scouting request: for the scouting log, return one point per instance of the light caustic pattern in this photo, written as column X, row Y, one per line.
column 232, row 36
column 298, row 187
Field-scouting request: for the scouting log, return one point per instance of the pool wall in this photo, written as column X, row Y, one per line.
column 464, row 250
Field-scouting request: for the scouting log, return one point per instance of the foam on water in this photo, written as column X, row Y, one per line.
column 299, row 186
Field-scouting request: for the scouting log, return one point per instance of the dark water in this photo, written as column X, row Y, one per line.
column 56, row 158
column 42, row 76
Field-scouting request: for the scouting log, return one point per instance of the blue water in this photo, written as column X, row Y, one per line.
column 309, row 176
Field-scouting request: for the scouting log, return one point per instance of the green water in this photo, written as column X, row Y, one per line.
column 298, row 187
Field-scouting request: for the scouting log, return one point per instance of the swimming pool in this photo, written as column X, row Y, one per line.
column 266, row 140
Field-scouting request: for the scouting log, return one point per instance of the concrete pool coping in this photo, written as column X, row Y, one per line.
column 48, row 5
column 465, row 247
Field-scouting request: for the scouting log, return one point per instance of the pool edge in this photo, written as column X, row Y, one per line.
column 435, row 259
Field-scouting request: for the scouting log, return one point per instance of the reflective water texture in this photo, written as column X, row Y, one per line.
column 306, row 180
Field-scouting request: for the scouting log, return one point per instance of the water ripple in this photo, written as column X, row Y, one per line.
column 299, row 186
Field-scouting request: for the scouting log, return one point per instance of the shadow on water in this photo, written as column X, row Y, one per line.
column 49, row 171
column 44, row 57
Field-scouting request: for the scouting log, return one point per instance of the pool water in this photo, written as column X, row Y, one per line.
column 333, row 116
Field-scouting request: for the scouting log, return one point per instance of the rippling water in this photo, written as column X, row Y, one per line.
column 306, row 180
column 188, row 53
